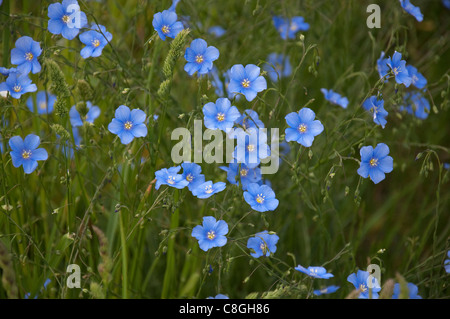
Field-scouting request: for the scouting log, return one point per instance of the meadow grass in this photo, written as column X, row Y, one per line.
column 99, row 209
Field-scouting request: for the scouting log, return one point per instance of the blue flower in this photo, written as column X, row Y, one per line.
column 263, row 244
column 412, row 291
column 372, row 104
column 250, row 119
column 382, row 66
column 166, row 24
column 170, row 177
column 128, row 124
column 6, row 72
column 192, row 173
column 303, row 128
column 207, row 189
column 17, row 84
column 411, row 9
column 26, row 153
column 92, row 114
column 25, row 55
column 289, row 28
column 417, row 79
column 335, row 98
column 47, row 281
column 247, row 175
column 416, row 104
column 446, row 3
column 375, row 162
column 217, row 31
column 328, row 290
column 315, row 272
column 95, row 40
column 220, row 115
column 246, row 81
column 260, row 198
column 219, row 296
column 174, row 5
column 251, row 146
column 200, row 57
column 360, row 281
column 398, row 67
column 43, row 104
column 447, row 262
column 211, row 234
column 278, row 66
column 66, row 19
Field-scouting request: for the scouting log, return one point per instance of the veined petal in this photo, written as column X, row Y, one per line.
column 31, row 142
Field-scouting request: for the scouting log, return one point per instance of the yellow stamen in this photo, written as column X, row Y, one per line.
column 199, row 58
column 17, row 88
column 96, row 43
column 250, row 147
column 260, row 198
column 165, row 29
column 26, row 154
column 211, row 235
column 220, row 117
column 302, row 128
column 66, row 19
column 373, row 162
column 171, row 180
column 43, row 105
column 29, row 56
column 128, row 125
column 244, row 172
column 208, row 189
column 189, row 177
column 245, row 83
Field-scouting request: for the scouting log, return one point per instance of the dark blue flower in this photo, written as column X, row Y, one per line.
column 246, row 175
column 207, row 189
column 260, row 198
column 375, row 162
column 192, row 173
column 278, row 66
column 220, row 115
column 166, row 24
column 200, row 57
column 303, row 128
column 288, row 28
column 170, row 177
column 360, row 281
column 315, row 272
column 447, row 261
column 246, row 81
column 95, row 40
column 217, row 31
column 211, row 233
column 263, row 244
column 92, row 114
column 417, row 79
column 376, row 107
column 6, row 72
column 382, row 66
column 26, row 153
column 416, row 104
column 412, row 291
column 44, row 102
column 335, row 98
column 412, row 9
column 128, row 124
column 398, row 67
column 250, row 119
column 219, row 296
column 66, row 19
column 17, row 84
column 25, row 55
column 328, row 290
